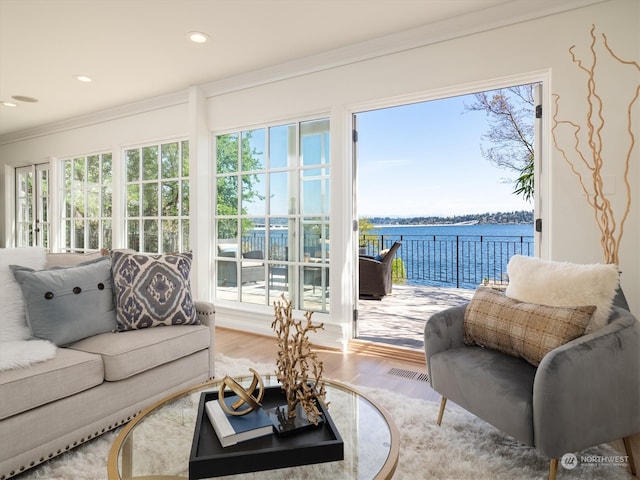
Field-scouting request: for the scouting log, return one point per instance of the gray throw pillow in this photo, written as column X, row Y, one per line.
column 67, row 304
column 152, row 290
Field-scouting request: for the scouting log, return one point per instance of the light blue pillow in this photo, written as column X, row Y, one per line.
column 67, row 304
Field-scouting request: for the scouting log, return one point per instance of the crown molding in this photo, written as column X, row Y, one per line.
column 492, row 18
column 114, row 113
column 502, row 15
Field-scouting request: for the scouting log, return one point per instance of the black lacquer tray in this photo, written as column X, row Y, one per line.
column 314, row 445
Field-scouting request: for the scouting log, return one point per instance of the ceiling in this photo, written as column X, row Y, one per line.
column 137, row 49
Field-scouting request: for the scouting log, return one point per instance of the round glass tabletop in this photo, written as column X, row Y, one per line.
column 157, row 443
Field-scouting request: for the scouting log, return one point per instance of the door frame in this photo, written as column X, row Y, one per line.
column 38, row 206
column 541, row 170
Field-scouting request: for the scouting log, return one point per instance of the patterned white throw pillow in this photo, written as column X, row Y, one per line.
column 152, row 290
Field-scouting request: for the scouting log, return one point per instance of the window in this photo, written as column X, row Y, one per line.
column 157, row 197
column 87, row 202
column 32, row 206
column 272, row 215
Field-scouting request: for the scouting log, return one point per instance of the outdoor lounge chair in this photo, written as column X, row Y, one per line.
column 375, row 275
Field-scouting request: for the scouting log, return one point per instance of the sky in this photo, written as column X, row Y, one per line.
column 425, row 160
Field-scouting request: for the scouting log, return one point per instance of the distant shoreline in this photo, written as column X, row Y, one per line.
column 461, row 224
column 521, row 217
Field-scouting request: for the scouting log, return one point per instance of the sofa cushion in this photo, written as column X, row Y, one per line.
column 128, row 353
column 563, row 284
column 66, row 304
column 70, row 372
column 152, row 290
column 13, row 319
column 521, row 329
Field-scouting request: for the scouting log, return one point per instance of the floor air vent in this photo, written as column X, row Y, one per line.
column 409, row 374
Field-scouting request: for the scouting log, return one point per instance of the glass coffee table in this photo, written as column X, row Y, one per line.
column 156, row 444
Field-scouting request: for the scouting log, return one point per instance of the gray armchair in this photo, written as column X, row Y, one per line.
column 375, row 276
column 582, row 394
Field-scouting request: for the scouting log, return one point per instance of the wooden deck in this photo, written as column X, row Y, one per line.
column 398, row 319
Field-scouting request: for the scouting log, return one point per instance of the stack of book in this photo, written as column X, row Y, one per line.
column 232, row 429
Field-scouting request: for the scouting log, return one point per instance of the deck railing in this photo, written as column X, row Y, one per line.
column 457, row 260
column 463, row 261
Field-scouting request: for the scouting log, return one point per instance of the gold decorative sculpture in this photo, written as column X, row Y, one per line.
column 246, row 395
column 298, row 368
column 588, row 160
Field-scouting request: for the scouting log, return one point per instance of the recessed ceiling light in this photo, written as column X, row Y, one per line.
column 197, row 37
column 23, row 98
column 83, row 78
column 8, row 104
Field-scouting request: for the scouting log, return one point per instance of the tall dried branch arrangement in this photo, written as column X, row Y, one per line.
column 586, row 159
column 298, row 368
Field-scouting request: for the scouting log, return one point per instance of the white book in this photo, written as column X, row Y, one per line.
column 232, row 429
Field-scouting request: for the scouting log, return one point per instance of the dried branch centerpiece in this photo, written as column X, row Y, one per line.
column 299, row 371
column 586, row 152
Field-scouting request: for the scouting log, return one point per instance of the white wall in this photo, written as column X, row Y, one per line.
column 537, row 48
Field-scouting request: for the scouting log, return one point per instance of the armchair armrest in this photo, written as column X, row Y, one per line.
column 444, row 330
column 369, row 261
column 206, row 312
column 587, row 391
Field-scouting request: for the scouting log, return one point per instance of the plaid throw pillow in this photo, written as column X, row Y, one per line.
column 525, row 330
column 152, row 290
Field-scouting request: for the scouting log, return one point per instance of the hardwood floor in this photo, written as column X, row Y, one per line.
column 367, row 368
column 365, row 364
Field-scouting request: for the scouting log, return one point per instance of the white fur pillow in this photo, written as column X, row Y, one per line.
column 563, row 284
column 13, row 320
column 25, row 352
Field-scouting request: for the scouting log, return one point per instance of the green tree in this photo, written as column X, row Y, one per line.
column 232, row 193
column 364, row 227
column 510, row 112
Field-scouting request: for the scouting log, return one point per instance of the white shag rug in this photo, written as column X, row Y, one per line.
column 463, row 448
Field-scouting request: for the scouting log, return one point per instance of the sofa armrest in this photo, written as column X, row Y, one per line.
column 206, row 312
column 444, row 330
column 587, row 391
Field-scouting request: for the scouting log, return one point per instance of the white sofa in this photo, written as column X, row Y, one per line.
column 96, row 384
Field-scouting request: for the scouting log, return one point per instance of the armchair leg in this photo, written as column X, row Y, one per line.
column 443, row 402
column 629, row 450
column 553, row 469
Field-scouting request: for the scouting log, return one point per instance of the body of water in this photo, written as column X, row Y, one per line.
column 495, row 230
column 451, row 255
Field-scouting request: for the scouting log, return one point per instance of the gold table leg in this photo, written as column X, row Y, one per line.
column 127, row 458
